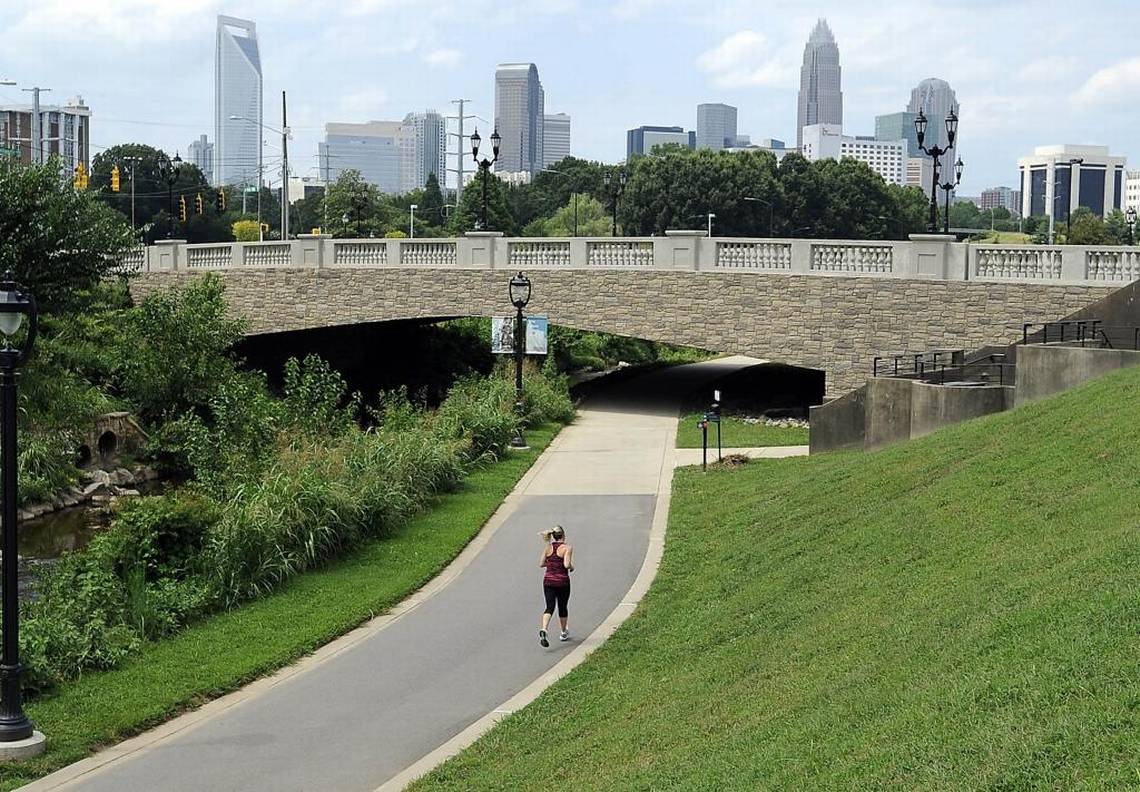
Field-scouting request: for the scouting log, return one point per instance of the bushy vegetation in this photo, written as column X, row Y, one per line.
column 277, row 483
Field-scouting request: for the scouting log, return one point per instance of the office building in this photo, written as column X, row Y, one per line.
column 64, row 131
column 716, row 126
column 935, row 99
column 301, row 187
column 774, row 147
column 1000, row 198
column 1097, row 181
column 520, row 118
column 821, row 94
column 555, row 138
column 887, row 158
column 384, row 152
column 201, row 153
column 429, row 129
column 237, row 103
column 643, row 139
column 1132, row 190
column 919, row 172
column 898, row 126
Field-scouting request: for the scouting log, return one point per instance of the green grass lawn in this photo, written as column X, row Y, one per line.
column 226, row 651
column 735, row 433
column 955, row 613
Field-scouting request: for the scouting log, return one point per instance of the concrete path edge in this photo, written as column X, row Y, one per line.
column 622, row 611
column 197, row 717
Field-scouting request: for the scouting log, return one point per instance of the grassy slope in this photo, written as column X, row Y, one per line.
column 958, row 612
column 735, row 433
column 228, row 650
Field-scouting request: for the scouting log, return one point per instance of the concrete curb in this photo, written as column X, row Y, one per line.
column 624, row 609
column 75, row 772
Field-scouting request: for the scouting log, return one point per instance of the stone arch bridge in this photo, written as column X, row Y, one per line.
column 825, row 304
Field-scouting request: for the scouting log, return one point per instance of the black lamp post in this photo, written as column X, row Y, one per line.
column 1130, row 218
column 168, row 170
column 771, row 210
column 520, row 296
column 948, row 187
column 615, row 187
column 484, row 165
column 935, row 152
column 15, row 304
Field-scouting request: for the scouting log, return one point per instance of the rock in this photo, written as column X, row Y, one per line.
column 57, row 502
column 128, row 493
column 23, row 514
column 70, row 500
column 125, row 476
column 100, row 477
column 149, row 474
column 91, row 490
column 39, row 510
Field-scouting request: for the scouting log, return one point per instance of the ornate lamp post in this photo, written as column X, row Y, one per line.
column 1130, row 218
column 484, row 166
column 520, row 296
column 615, row 187
column 935, row 152
column 168, row 170
column 948, row 187
column 15, row 304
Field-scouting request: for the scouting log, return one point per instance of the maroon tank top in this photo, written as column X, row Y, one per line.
column 556, row 574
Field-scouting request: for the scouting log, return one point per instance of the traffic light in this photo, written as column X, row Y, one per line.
column 115, row 179
column 220, row 201
column 198, row 208
column 182, row 208
column 80, row 179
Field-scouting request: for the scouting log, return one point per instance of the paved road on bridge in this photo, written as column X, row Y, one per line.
column 357, row 718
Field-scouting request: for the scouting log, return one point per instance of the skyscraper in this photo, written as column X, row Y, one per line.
column 237, row 103
column 935, row 99
column 520, row 110
column 716, row 126
column 201, row 153
column 898, row 126
column 555, row 139
column 382, row 151
column 430, row 132
column 821, row 95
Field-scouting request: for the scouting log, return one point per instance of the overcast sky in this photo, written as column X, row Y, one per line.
column 1026, row 73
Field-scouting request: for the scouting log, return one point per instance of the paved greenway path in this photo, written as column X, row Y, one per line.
column 363, row 710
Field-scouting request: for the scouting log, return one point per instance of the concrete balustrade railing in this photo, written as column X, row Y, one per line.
column 923, row 256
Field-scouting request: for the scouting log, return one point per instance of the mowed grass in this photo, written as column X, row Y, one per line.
column 959, row 612
column 228, row 650
column 735, row 433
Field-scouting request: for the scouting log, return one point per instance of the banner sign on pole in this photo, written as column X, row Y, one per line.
column 503, row 335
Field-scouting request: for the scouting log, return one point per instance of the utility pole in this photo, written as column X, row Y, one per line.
column 460, row 153
column 37, row 126
column 134, row 164
column 284, row 171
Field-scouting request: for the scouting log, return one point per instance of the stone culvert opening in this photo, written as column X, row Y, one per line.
column 108, row 445
column 83, row 456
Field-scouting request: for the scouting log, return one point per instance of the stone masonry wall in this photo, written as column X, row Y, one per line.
column 837, row 324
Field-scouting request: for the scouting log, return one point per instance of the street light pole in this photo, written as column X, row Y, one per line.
column 37, row 125
column 520, row 295
column 615, row 188
column 771, row 211
column 711, row 216
column 169, row 170
column 484, row 165
column 1069, row 213
column 1130, row 218
column 949, row 186
column 412, row 221
column 284, row 171
column 934, row 152
column 15, row 304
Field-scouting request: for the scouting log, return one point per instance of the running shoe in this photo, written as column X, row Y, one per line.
column 542, row 638
column 564, row 635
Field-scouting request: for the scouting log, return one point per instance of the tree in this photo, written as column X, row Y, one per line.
column 911, row 213
column 1116, row 227
column 357, row 208
column 431, row 207
column 1086, row 229
column 468, row 215
column 307, row 213
column 58, row 241
column 246, row 231
column 589, row 219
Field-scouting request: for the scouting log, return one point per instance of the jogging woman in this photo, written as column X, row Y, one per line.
column 557, row 560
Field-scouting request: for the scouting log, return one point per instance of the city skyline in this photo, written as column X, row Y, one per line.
column 745, row 54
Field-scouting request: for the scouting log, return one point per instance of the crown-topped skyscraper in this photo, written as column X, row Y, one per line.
column 821, row 97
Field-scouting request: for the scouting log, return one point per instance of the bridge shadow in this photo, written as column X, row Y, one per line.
column 663, row 392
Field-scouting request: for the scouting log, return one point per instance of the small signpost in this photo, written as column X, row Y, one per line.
column 712, row 416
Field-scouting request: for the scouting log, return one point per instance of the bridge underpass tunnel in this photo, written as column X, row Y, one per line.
column 766, row 390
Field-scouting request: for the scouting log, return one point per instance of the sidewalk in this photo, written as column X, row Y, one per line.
column 375, row 702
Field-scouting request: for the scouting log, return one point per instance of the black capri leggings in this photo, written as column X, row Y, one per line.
column 556, row 594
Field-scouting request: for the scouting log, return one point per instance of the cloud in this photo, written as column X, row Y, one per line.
column 364, row 104
column 444, row 56
column 1112, row 85
column 1048, row 69
column 743, row 59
